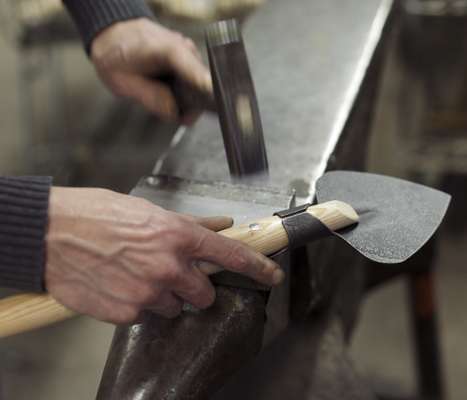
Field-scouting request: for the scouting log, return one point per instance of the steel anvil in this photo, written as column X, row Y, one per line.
column 194, row 356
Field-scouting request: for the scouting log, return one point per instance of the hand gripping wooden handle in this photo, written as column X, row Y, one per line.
column 25, row 312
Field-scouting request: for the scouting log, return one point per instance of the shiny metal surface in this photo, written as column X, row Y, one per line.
column 308, row 60
column 237, row 103
column 244, row 204
column 189, row 357
column 223, row 32
column 206, row 199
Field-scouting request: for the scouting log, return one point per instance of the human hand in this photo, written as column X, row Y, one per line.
column 129, row 54
column 111, row 256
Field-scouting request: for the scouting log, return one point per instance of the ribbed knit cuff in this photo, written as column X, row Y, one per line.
column 92, row 16
column 24, row 203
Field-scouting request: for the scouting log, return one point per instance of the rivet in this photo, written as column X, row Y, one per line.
column 152, row 181
column 254, row 227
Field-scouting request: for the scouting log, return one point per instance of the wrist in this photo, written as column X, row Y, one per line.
column 112, row 37
column 23, row 226
column 93, row 16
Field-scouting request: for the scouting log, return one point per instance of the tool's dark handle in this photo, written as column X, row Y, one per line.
column 188, row 97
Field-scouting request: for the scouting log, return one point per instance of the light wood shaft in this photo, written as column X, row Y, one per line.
column 268, row 236
column 25, row 312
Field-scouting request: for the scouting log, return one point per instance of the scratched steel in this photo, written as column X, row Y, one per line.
column 308, row 60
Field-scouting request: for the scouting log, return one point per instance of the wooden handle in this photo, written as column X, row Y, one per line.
column 268, row 236
column 25, row 312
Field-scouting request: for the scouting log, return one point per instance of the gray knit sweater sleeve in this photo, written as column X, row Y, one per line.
column 24, row 207
column 92, row 16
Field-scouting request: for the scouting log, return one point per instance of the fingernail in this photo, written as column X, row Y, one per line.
column 278, row 276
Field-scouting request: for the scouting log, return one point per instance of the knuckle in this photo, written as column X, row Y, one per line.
column 172, row 54
column 126, row 315
column 190, row 43
column 197, row 242
column 265, row 268
column 128, row 291
column 195, row 290
column 170, row 274
column 239, row 259
column 179, row 233
column 207, row 299
column 178, row 36
column 118, row 87
column 174, row 311
column 147, row 294
column 141, row 203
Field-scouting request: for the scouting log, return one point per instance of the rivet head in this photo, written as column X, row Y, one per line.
column 254, row 227
column 152, row 180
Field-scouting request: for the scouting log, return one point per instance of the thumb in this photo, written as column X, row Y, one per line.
column 190, row 68
column 216, row 224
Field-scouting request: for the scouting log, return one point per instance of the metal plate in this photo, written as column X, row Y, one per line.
column 204, row 199
column 397, row 217
column 308, row 61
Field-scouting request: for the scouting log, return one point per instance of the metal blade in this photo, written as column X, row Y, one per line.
column 397, row 217
column 204, row 199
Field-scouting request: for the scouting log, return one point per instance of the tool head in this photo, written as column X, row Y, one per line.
column 236, row 101
column 397, row 217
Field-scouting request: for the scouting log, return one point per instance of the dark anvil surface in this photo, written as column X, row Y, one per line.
column 308, row 60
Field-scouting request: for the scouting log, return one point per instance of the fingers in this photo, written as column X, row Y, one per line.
column 195, row 288
column 153, row 95
column 236, row 257
column 193, row 48
column 187, row 65
column 217, row 223
column 168, row 305
column 127, row 54
column 190, row 118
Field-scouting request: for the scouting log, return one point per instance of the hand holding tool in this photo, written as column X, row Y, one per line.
column 30, row 311
column 395, row 218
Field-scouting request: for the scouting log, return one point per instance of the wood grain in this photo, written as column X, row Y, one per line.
column 24, row 312
column 268, row 236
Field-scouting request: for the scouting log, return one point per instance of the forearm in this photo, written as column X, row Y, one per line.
column 23, row 226
column 93, row 16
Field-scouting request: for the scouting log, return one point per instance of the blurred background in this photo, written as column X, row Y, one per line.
column 56, row 118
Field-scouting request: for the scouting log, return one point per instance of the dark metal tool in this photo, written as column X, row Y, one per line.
column 234, row 100
column 237, row 105
column 189, row 99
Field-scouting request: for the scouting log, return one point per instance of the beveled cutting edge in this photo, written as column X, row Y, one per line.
column 397, row 217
